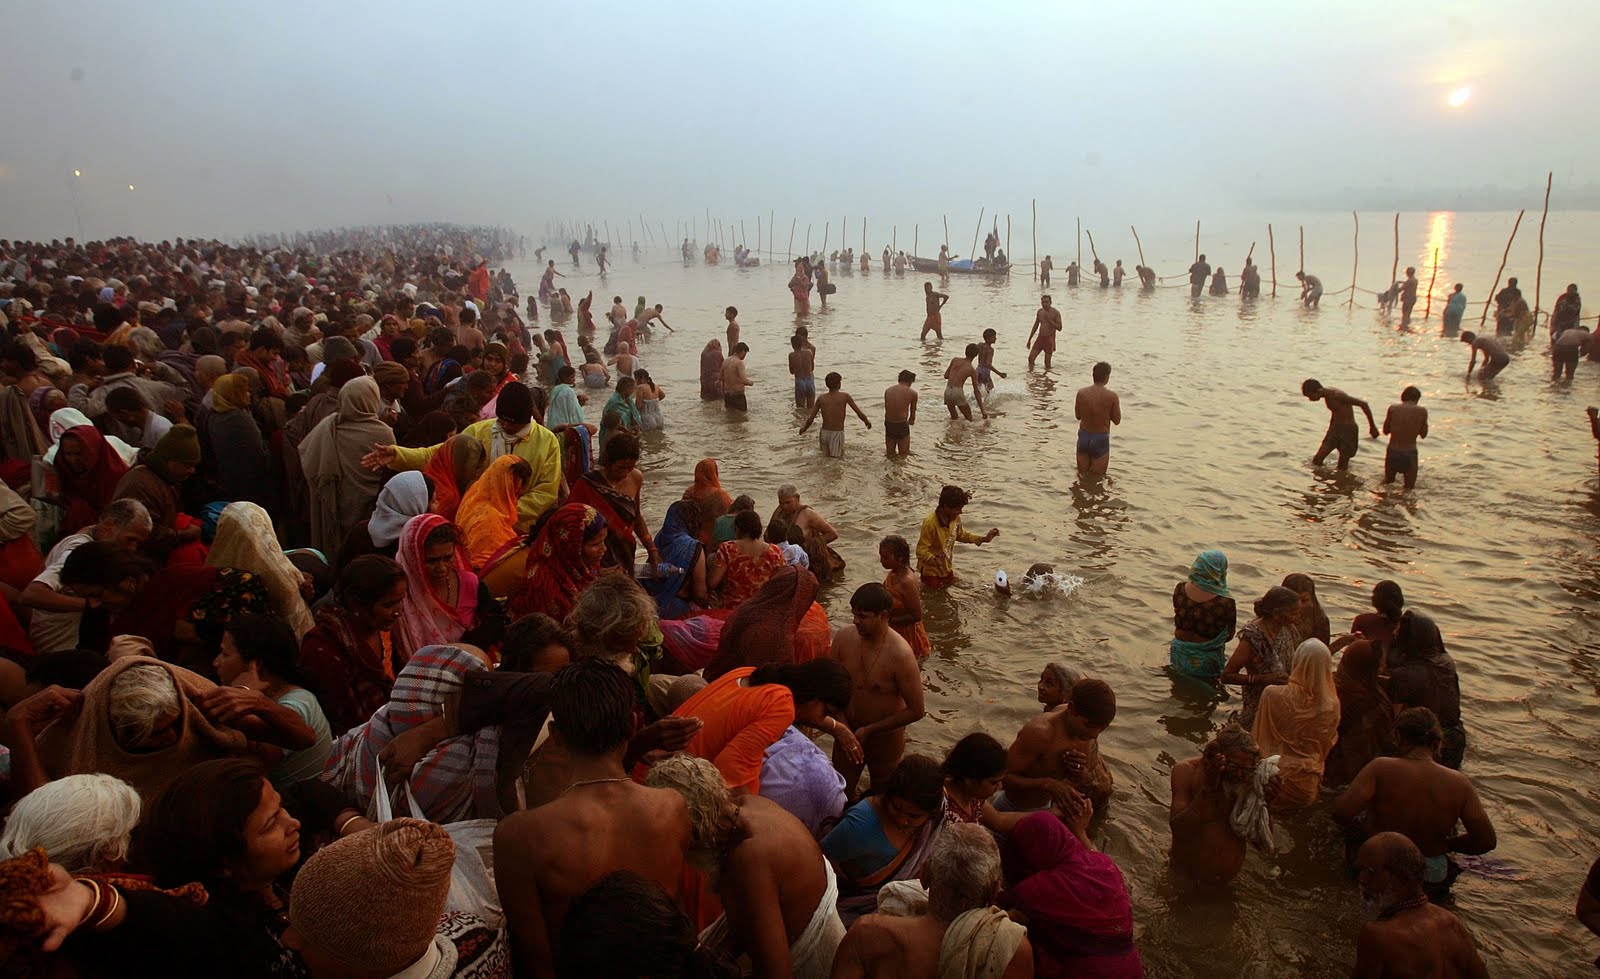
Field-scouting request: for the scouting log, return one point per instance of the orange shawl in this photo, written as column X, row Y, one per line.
column 488, row 512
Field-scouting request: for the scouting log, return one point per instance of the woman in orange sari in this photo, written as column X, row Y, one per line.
column 1299, row 722
column 488, row 521
column 707, row 493
column 454, row 469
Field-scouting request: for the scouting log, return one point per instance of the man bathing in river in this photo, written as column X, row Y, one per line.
column 1408, row 937
column 803, row 365
column 956, row 377
column 1060, row 748
column 1097, row 408
column 1343, row 433
column 887, row 687
column 1404, row 424
column 986, row 369
column 1205, row 846
column 935, row 303
column 832, row 406
column 1046, row 323
column 735, row 380
column 1495, row 357
column 899, row 414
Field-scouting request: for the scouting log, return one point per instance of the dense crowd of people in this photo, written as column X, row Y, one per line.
column 329, row 651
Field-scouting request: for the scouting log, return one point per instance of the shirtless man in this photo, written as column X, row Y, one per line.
column 888, row 686
column 1046, row 323
column 1045, row 267
column 1567, row 348
column 1415, row 796
column 1117, row 274
column 1060, row 748
column 1073, row 271
column 899, row 414
column 1495, row 357
column 1310, row 290
column 732, row 316
column 765, row 866
column 832, row 406
column 986, row 369
column 1097, row 408
column 1343, row 433
column 653, row 315
column 735, row 380
column 956, row 377
column 803, row 365
column 547, row 856
column 1404, row 424
column 962, row 875
column 1147, row 276
column 1204, row 790
column 1409, row 937
column 934, row 301
column 1199, row 275
column 1408, row 296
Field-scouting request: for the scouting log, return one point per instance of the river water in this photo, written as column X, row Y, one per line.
column 1498, row 541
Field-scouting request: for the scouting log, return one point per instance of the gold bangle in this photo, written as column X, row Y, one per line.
column 344, row 825
column 93, row 885
column 116, row 902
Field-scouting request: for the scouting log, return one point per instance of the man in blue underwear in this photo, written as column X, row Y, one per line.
column 802, row 364
column 1404, row 424
column 1097, row 408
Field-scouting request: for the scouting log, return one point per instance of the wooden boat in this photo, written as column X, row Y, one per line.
column 962, row 266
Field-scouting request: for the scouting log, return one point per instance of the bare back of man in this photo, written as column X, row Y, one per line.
column 1425, row 942
column 1204, row 845
column 546, row 857
column 885, row 676
column 1419, row 799
column 775, row 871
column 899, row 414
column 1097, row 408
column 1039, row 758
column 956, row 377
column 1404, row 424
column 832, row 406
column 881, row 946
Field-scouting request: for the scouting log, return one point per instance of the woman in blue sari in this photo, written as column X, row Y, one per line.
column 681, row 591
column 888, row 836
column 1204, row 618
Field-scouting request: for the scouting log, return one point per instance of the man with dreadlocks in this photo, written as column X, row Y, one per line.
column 1205, row 793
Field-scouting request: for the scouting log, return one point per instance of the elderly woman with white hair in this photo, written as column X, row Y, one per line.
column 84, row 823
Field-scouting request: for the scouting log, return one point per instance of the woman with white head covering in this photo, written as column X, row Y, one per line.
column 67, row 418
column 246, row 540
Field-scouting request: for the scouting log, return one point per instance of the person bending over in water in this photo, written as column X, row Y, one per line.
column 1404, row 424
column 935, row 303
column 1061, row 747
column 832, row 406
column 956, row 377
column 1205, row 846
column 1343, row 435
column 1495, row 357
column 1310, row 290
column 1097, row 408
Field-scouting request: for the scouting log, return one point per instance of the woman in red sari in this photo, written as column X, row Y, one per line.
column 89, row 470
column 745, row 563
column 454, row 469
column 564, row 559
column 350, row 654
column 613, row 489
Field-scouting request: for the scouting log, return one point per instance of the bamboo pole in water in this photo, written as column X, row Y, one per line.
column 630, row 231
column 1538, row 275
column 973, row 254
column 1197, row 240
column 1496, row 287
column 915, row 229
column 608, row 233
column 808, row 241
column 1036, row 238
column 946, row 232
column 894, row 238
column 1302, row 248
column 863, row 236
column 1355, row 263
column 1137, row 244
column 1427, row 313
column 1008, row 239
column 758, row 234
column 1092, row 252
column 1394, row 269
column 1080, row 244
column 1272, row 249
column 742, row 236
column 826, row 226
column 789, row 254
column 772, row 229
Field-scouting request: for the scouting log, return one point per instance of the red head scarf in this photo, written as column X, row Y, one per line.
column 557, row 573
column 88, row 492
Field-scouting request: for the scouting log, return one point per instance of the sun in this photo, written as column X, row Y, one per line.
column 1459, row 97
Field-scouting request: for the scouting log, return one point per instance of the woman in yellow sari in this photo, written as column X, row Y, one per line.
column 488, row 521
column 1299, row 722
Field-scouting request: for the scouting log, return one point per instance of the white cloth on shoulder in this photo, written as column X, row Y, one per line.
column 1250, row 818
column 979, row 945
column 810, row 955
column 903, row 899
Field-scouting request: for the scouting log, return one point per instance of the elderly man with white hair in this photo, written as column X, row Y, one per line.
column 961, row 934
column 779, row 894
column 57, row 615
column 84, row 822
column 795, row 520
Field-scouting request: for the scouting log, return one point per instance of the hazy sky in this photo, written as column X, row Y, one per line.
column 230, row 118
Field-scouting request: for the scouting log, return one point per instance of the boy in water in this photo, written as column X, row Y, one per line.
column 1404, row 424
column 832, row 405
column 899, row 414
column 935, row 304
column 803, row 365
column 1343, row 434
column 906, row 616
column 956, row 377
column 732, row 316
column 986, row 368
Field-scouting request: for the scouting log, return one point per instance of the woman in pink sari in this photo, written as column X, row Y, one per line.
column 445, row 602
column 1072, row 898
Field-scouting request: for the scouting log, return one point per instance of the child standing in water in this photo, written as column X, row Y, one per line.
column 906, row 590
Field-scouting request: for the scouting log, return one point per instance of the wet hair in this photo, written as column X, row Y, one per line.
column 897, row 546
column 990, row 334
column 797, row 341
column 747, row 524
column 69, row 668
column 367, row 579
column 833, row 380
column 269, row 641
column 972, row 350
column 872, row 598
column 1416, row 727
column 1467, row 336
column 1094, row 701
column 591, row 704
column 824, row 679
column 621, row 447
column 1064, row 675
column 918, row 780
column 963, row 871
column 741, row 348
column 530, row 636
column 1102, row 372
column 1388, row 598
column 744, row 501
column 1411, row 395
column 705, row 794
column 907, row 377
column 954, row 497
column 1310, row 386
column 610, row 616
column 730, row 311
column 625, row 926
column 976, row 756
column 1231, row 739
